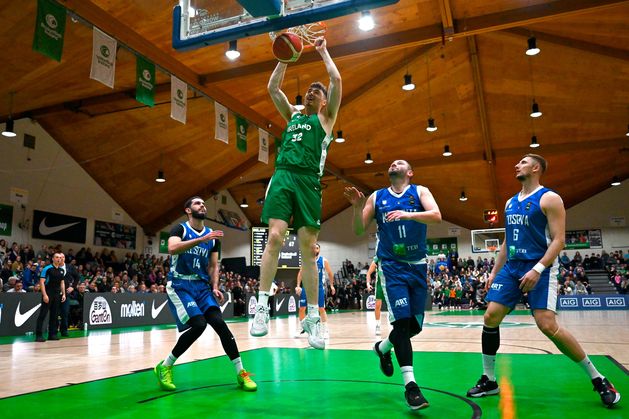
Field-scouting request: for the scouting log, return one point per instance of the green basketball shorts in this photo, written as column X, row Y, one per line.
column 293, row 195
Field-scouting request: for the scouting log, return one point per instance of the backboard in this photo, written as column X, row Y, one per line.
column 199, row 23
column 487, row 240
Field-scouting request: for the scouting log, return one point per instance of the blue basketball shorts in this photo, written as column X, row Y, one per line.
column 506, row 290
column 303, row 302
column 405, row 289
column 187, row 298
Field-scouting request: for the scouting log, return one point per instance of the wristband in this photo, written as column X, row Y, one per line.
column 539, row 268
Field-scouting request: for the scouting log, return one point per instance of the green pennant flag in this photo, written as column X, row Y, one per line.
column 163, row 241
column 241, row 133
column 6, row 219
column 50, row 27
column 145, row 81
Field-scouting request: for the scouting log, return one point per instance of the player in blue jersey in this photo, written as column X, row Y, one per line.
column 323, row 268
column 193, row 294
column 535, row 222
column 401, row 212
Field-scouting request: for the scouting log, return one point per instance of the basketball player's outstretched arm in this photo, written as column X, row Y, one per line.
column 552, row 206
column 364, row 211
column 177, row 246
column 277, row 96
column 334, row 89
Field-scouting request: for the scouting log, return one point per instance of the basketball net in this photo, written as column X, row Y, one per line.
column 308, row 33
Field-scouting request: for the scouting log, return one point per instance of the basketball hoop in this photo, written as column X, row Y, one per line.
column 492, row 249
column 308, row 33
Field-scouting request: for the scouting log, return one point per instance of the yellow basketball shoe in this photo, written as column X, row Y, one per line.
column 164, row 376
column 245, row 382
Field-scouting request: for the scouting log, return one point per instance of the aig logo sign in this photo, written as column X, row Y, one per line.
column 569, row 302
column 615, row 301
column 591, row 302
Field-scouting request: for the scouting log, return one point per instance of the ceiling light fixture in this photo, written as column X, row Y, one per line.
column 160, row 177
column 232, row 53
column 366, row 23
column 616, row 181
column 463, row 198
column 532, row 50
column 339, row 136
column 431, row 127
column 408, row 82
column 446, row 151
column 534, row 143
column 244, row 204
column 9, row 128
column 535, row 112
column 368, row 159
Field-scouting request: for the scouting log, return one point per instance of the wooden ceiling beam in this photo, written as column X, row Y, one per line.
column 571, row 43
column 616, row 143
column 529, row 15
column 427, row 162
column 482, row 115
column 430, row 34
column 385, row 74
column 398, row 40
column 447, row 21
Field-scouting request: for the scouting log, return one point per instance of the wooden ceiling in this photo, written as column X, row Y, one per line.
column 480, row 95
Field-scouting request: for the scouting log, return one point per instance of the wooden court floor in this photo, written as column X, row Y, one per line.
column 112, row 369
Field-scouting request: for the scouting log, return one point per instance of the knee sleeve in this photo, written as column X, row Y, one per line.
column 214, row 318
column 197, row 326
column 401, row 340
column 414, row 327
column 490, row 340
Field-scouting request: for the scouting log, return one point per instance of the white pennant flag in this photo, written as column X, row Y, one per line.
column 221, row 124
column 263, row 149
column 178, row 99
column 103, row 58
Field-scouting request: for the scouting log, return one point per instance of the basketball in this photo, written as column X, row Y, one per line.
column 287, row 47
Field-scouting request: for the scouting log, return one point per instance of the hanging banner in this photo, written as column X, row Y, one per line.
column 178, row 99
column 241, row 133
column 263, row 150
column 221, row 123
column 50, row 27
column 52, row 226
column 163, row 241
column 145, row 81
column 103, row 58
column 6, row 219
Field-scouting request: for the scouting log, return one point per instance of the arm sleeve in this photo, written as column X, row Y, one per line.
column 177, row 231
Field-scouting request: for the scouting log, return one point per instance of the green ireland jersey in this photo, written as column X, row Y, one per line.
column 304, row 145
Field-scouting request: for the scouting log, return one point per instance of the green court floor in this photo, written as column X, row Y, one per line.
column 333, row 384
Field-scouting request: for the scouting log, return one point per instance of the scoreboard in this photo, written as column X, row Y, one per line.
column 290, row 256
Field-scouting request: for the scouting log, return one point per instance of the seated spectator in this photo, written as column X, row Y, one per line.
column 580, row 288
column 18, row 287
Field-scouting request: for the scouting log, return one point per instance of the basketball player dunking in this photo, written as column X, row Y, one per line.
column 295, row 188
column 534, row 235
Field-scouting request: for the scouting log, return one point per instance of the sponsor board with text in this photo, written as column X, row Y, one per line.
column 593, row 302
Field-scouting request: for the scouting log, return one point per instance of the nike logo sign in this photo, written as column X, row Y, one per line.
column 229, row 300
column 278, row 305
column 45, row 230
column 155, row 311
column 21, row 318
